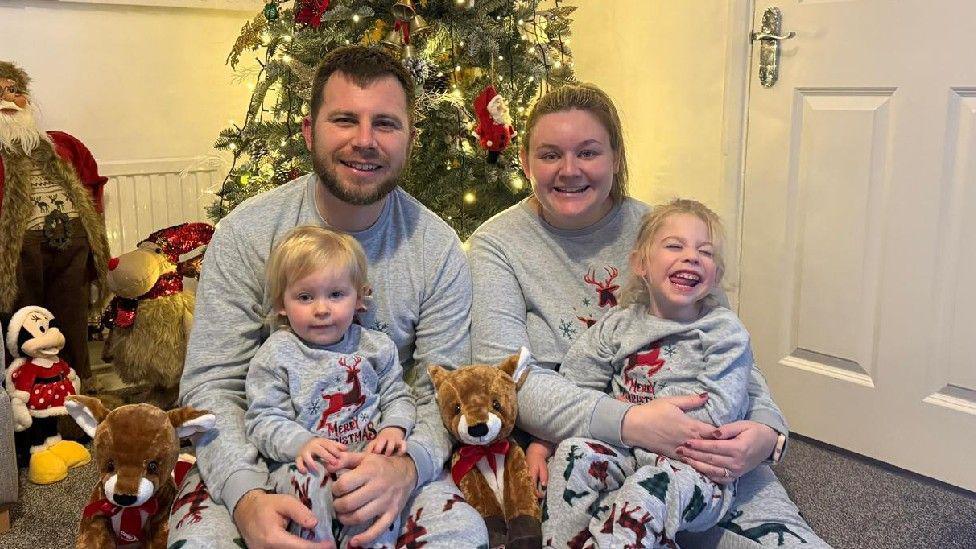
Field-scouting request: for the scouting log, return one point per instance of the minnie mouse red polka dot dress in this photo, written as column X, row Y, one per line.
column 48, row 387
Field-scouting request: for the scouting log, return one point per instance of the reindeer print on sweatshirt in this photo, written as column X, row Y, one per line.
column 346, row 392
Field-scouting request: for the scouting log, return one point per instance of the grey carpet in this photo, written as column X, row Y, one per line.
column 852, row 502
column 855, row 502
column 47, row 516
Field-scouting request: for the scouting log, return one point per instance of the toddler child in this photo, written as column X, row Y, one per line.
column 322, row 385
column 668, row 337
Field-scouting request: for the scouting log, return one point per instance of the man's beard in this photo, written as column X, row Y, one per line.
column 19, row 130
column 350, row 194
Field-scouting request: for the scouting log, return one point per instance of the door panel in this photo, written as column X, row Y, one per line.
column 858, row 230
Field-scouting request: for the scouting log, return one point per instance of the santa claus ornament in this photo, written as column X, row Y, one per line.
column 494, row 127
column 51, row 227
column 38, row 382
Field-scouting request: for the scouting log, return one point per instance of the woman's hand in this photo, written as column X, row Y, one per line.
column 661, row 426
column 730, row 451
column 536, row 457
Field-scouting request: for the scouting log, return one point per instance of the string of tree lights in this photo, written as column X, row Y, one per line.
column 477, row 65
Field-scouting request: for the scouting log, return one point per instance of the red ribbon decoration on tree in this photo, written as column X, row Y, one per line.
column 471, row 454
column 404, row 28
column 310, row 12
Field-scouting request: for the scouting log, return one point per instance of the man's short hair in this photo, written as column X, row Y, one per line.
column 363, row 65
column 13, row 72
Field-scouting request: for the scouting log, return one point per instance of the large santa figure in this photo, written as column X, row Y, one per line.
column 52, row 234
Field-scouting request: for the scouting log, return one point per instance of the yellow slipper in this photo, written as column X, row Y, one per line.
column 72, row 453
column 46, row 468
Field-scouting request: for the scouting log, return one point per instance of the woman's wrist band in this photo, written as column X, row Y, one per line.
column 778, row 451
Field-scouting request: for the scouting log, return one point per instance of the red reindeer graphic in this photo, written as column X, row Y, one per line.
column 450, row 503
column 338, row 401
column 587, row 321
column 195, row 499
column 601, row 449
column 301, row 490
column 637, row 526
column 412, row 532
column 604, row 289
column 579, row 540
column 598, row 470
column 608, row 524
column 653, row 361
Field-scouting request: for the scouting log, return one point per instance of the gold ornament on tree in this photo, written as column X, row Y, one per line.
column 407, row 26
column 376, row 34
column 403, row 10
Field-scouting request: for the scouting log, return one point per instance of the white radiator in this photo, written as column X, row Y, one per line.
column 147, row 195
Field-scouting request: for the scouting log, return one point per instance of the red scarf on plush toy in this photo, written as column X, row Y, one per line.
column 472, row 454
column 132, row 525
column 122, row 310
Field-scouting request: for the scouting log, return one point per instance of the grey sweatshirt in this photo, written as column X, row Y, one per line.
column 421, row 299
column 346, row 392
column 539, row 286
column 632, row 354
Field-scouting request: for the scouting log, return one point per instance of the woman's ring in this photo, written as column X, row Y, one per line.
column 728, row 474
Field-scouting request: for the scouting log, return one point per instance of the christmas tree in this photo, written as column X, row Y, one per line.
column 462, row 54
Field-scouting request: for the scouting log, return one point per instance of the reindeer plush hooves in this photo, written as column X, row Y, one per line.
column 524, row 532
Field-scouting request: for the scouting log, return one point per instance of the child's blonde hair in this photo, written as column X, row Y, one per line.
column 306, row 249
column 635, row 291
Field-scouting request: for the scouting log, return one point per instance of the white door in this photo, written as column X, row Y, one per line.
column 858, row 277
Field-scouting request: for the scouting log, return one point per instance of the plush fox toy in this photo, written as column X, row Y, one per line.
column 136, row 450
column 478, row 406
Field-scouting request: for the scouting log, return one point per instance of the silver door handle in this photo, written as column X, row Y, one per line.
column 768, row 36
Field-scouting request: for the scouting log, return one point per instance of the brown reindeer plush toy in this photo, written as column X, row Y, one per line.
column 478, row 406
column 136, row 450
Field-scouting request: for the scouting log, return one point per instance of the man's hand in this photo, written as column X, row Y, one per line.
column 536, row 459
column 263, row 518
column 376, row 487
column 730, row 451
column 660, row 426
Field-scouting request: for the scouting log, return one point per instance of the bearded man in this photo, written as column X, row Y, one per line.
column 359, row 132
column 52, row 234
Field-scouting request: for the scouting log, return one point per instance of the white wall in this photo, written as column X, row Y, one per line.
column 134, row 83
column 664, row 63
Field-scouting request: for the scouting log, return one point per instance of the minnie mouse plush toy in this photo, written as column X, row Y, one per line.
column 38, row 382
